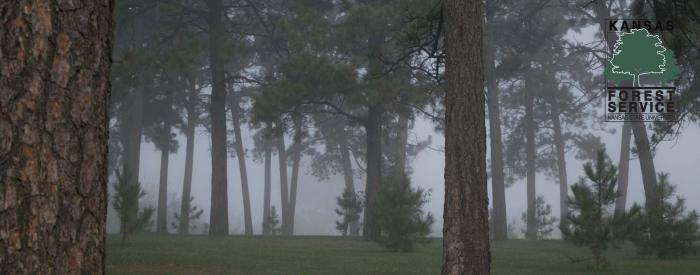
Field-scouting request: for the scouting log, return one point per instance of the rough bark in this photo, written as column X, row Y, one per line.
column 531, row 227
column 374, row 162
column 559, row 144
column 498, row 190
column 268, row 185
column 348, row 176
column 284, row 191
column 54, row 102
column 218, row 219
column 161, row 216
column 240, row 154
column 187, row 180
column 296, row 159
column 465, row 230
column 623, row 168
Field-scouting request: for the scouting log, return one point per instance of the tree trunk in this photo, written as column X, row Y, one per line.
column 465, row 230
column 284, row 193
column 268, row 184
column 623, row 168
column 348, row 176
column 162, row 219
column 54, row 106
column 132, row 147
column 401, row 144
column 559, row 143
column 218, row 219
column 187, row 181
column 296, row 159
column 531, row 228
column 374, row 173
column 500, row 221
column 240, row 154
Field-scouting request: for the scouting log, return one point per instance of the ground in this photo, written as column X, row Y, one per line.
column 154, row 254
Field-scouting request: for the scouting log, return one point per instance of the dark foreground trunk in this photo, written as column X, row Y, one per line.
column 465, row 230
column 218, row 214
column 54, row 102
column 374, row 173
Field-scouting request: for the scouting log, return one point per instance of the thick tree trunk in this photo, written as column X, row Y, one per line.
column 268, row 185
column 284, row 192
column 54, row 103
column 187, row 181
column 498, row 190
column 218, row 214
column 240, row 154
column 373, row 128
column 296, row 159
column 465, row 230
column 531, row 227
column 559, row 144
column 162, row 219
column 623, row 168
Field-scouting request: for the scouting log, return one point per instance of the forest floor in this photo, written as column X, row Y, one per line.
column 154, row 254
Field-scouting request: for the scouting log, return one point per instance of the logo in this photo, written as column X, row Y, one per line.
column 636, row 72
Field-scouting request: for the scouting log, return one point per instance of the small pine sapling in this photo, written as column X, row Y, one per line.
column 126, row 202
column 544, row 222
column 349, row 210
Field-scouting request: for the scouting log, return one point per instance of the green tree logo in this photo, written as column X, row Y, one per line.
column 638, row 53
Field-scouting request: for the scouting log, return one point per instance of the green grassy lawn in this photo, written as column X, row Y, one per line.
column 153, row 254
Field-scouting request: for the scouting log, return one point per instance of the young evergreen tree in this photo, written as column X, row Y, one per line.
column 192, row 212
column 401, row 221
column 350, row 208
column 544, row 222
column 272, row 222
column 126, row 201
column 662, row 227
column 593, row 222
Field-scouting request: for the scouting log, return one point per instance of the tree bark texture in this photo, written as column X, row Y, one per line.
column 55, row 59
column 465, row 230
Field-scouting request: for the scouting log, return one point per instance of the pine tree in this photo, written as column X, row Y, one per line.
column 592, row 219
column 350, row 208
column 400, row 219
column 663, row 228
column 126, row 201
column 544, row 222
column 272, row 222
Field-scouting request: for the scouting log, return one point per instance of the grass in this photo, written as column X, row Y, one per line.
column 155, row 254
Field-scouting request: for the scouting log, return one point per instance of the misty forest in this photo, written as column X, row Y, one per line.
column 346, row 137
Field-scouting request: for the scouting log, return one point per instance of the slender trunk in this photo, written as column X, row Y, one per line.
column 218, row 219
column 240, row 154
column 374, row 173
column 268, row 183
column 500, row 221
column 531, row 229
column 465, row 230
column 284, row 193
column 623, row 168
column 401, row 144
column 162, row 219
column 54, row 125
column 296, row 158
column 187, row 181
column 559, row 143
column 348, row 175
